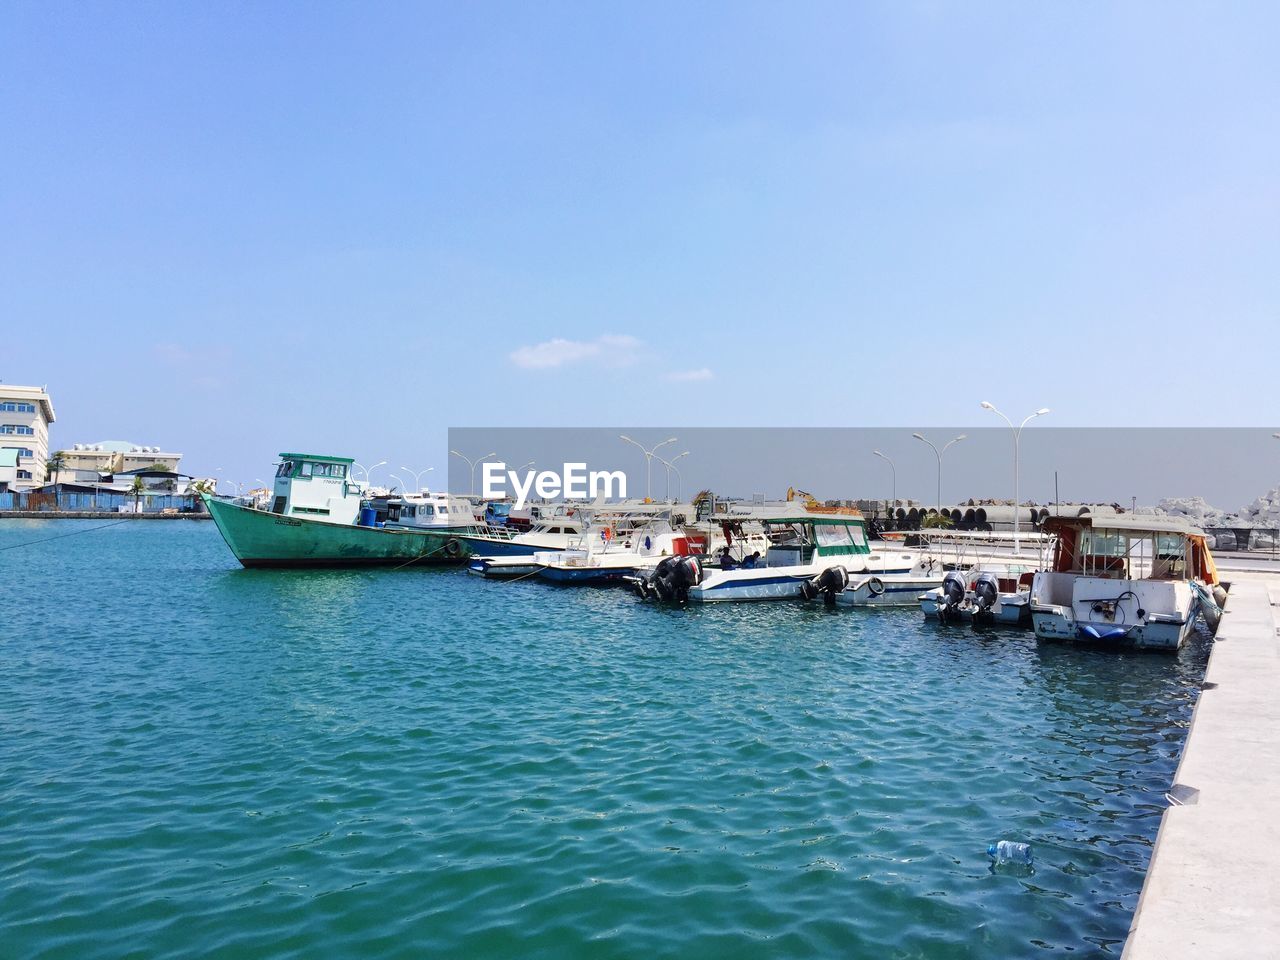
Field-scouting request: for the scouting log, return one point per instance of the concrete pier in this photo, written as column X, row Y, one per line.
column 1213, row 888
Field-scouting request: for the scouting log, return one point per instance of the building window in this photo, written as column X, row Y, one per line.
column 10, row 406
column 18, row 428
column 24, row 474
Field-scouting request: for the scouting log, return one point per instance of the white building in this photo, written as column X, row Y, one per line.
column 25, row 415
column 85, row 461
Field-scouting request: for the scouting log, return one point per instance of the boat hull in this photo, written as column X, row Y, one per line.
column 503, row 568
column 1056, row 623
column 586, row 574
column 765, row 587
column 1009, row 611
column 894, row 591
column 261, row 539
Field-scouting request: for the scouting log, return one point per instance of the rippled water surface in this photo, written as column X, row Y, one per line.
column 201, row 760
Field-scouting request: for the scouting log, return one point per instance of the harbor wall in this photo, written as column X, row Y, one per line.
column 1212, row 889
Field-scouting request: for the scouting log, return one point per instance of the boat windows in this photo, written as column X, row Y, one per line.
column 286, row 469
column 832, row 535
column 785, row 534
column 1104, row 543
column 306, row 469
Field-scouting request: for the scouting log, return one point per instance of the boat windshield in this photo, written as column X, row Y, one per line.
column 786, row 534
column 1129, row 554
column 839, row 535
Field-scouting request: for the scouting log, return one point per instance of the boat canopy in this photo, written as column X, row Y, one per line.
column 1127, row 522
column 1125, row 545
column 316, row 456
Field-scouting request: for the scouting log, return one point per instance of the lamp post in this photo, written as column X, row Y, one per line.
column 648, row 461
column 417, row 476
column 404, row 487
column 938, row 453
column 893, row 503
column 671, row 465
column 471, row 465
column 1017, row 437
column 368, row 481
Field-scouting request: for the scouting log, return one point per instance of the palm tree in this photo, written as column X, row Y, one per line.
column 136, row 489
column 55, row 465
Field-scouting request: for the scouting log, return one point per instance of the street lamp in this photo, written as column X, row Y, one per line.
column 671, row 465
column 404, row 487
column 1017, row 437
column 938, row 453
column 417, row 476
column 893, row 504
column 471, row 465
column 367, row 479
column 648, row 460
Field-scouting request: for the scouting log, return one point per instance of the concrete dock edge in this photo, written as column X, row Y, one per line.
column 1213, row 887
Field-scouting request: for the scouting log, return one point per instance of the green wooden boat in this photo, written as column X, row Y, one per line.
column 315, row 521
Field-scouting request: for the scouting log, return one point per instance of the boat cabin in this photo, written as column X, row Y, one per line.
column 1130, row 547
column 428, row 510
column 316, row 487
column 799, row 539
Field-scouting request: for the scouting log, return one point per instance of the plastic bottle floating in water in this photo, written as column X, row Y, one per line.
column 1010, row 852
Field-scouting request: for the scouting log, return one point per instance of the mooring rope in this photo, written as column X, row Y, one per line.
column 30, row 543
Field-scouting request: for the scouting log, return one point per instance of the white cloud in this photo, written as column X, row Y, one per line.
column 172, row 353
column 690, row 376
column 613, row 349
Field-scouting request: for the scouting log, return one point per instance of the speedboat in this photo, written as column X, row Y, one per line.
column 892, row 589
column 1130, row 580
column 604, row 556
column 553, row 532
column 812, row 550
column 992, row 594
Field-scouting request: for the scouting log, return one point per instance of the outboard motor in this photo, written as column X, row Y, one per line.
column 671, row 579
column 827, row 584
column 686, row 572
column 954, row 587
column 986, row 593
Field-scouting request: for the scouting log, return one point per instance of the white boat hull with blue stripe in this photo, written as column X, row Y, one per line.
column 803, row 545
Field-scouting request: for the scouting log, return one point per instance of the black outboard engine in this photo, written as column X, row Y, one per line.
column 828, row 584
column 954, row 587
column 986, row 593
column 671, row 579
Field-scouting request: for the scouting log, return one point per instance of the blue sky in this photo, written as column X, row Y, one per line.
column 239, row 229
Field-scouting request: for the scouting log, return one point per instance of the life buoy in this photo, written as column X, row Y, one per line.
column 876, row 586
column 606, row 534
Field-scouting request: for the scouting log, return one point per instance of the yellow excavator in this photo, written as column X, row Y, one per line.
column 812, row 504
column 810, row 501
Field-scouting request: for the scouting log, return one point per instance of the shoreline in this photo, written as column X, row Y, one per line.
column 95, row 515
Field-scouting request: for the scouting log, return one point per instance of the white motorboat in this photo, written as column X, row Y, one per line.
column 1126, row 579
column 812, row 551
column 430, row 511
column 892, row 589
column 603, row 555
column 994, row 594
column 552, row 532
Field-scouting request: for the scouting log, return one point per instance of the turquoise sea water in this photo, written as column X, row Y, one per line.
column 201, row 760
